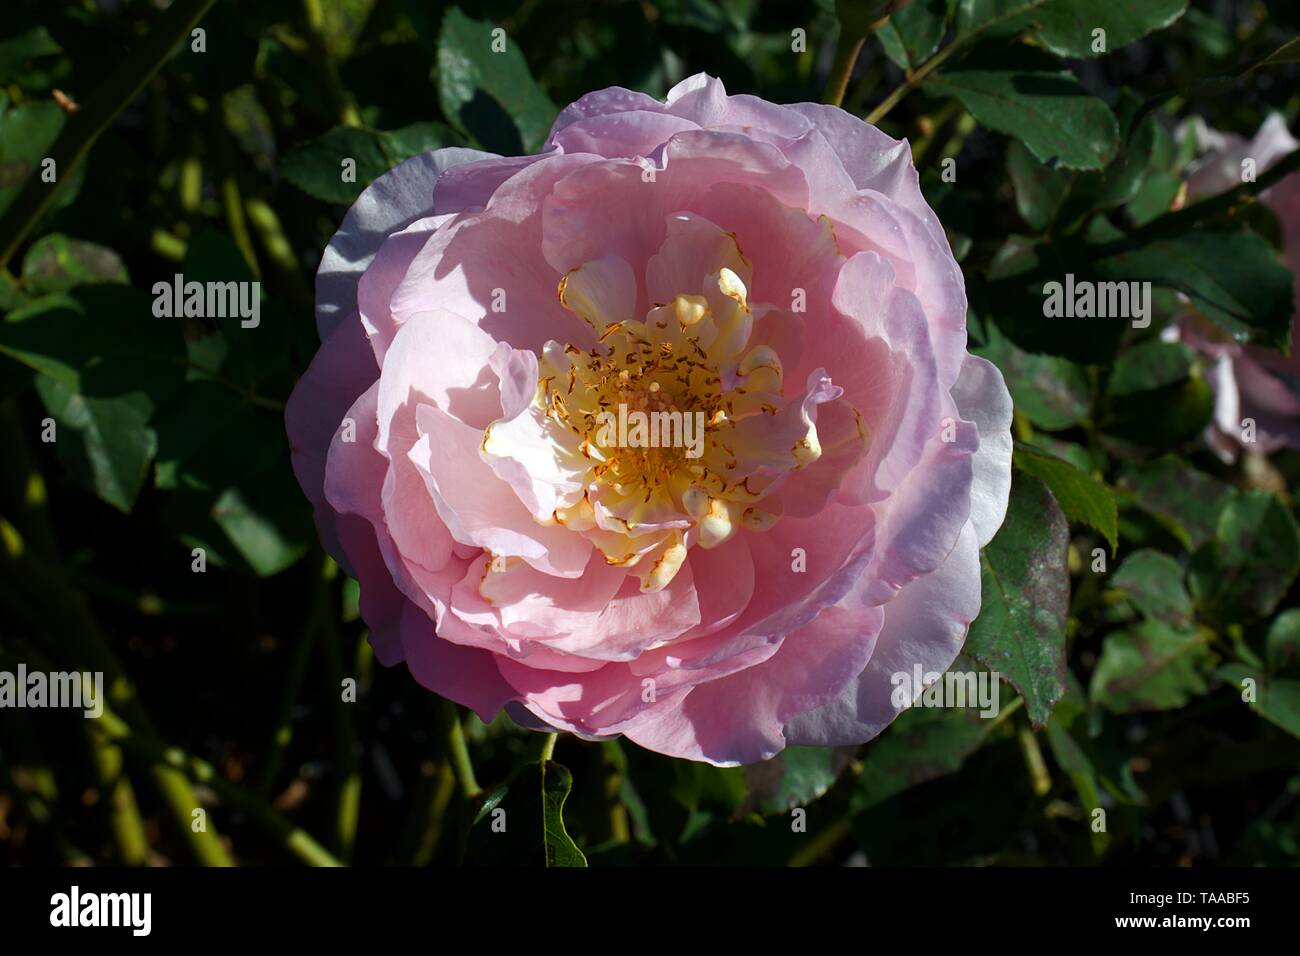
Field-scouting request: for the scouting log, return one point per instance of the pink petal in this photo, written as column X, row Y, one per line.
column 924, row 625
column 740, row 719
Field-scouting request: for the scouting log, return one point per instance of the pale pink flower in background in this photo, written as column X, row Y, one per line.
column 774, row 268
column 1249, row 381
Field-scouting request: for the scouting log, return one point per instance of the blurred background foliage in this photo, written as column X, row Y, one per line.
column 1124, row 676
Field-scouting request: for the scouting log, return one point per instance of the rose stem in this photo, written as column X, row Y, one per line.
column 548, row 747
column 847, row 48
column 459, row 752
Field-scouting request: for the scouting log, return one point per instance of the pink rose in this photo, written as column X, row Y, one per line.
column 808, row 525
column 1249, row 382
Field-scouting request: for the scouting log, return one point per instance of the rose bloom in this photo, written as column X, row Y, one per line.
column 773, row 270
column 1249, row 381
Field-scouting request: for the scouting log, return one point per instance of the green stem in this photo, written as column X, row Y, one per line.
column 283, row 733
column 348, row 785
column 1034, row 762
column 548, row 747
column 124, row 813
column 234, row 205
column 428, row 811
column 83, row 127
column 38, row 806
column 189, row 185
column 22, row 485
column 35, row 573
column 166, row 245
column 178, row 765
column 614, row 763
column 75, row 632
column 913, row 80
column 280, row 251
column 847, row 48
column 315, row 15
column 248, row 394
column 458, row 752
column 822, row 843
column 294, row 839
column 1177, row 223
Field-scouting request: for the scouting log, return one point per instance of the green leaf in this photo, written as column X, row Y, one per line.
column 1039, row 104
column 489, row 95
column 559, row 846
column 793, row 778
column 1277, row 699
column 1249, row 566
column 1282, row 646
column 1020, row 631
column 1062, row 198
column 106, row 443
column 1026, row 273
column 1069, row 451
column 1162, row 418
column 1153, row 582
column 1050, row 391
column 1040, row 190
column 1066, row 26
column 227, row 462
column 55, row 263
column 1233, row 276
column 104, row 363
column 1149, row 365
column 922, row 744
column 1082, row 497
column 256, row 533
column 521, row 821
column 102, row 340
column 19, row 50
column 911, row 35
column 703, row 15
column 318, row 167
column 258, row 358
column 1155, row 197
column 26, row 134
column 995, row 17
column 1079, row 768
column 1189, row 501
column 1150, row 666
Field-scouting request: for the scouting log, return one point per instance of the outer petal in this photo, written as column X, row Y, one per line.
column 609, row 101
column 467, row 675
column 388, row 205
column 926, row 624
column 982, row 398
column 342, row 369
column 740, row 719
column 489, row 266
